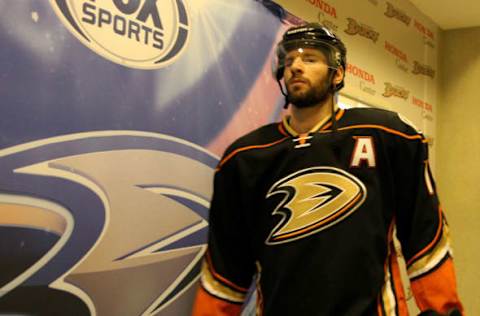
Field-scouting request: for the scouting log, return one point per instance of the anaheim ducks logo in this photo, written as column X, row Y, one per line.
column 315, row 199
column 396, row 91
column 422, row 69
column 364, row 30
column 88, row 205
column 398, row 14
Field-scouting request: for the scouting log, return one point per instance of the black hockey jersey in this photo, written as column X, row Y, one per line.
column 312, row 218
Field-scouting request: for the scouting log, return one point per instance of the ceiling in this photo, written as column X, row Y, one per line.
column 451, row 14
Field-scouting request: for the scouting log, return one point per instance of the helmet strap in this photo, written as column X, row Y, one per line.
column 333, row 89
column 285, row 94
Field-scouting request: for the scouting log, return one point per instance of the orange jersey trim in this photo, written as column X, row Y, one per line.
column 302, row 138
column 281, row 128
column 388, row 130
column 208, row 305
column 259, row 305
column 437, row 290
column 384, row 304
column 398, row 284
column 433, row 242
column 236, row 151
column 222, row 279
column 322, row 125
column 337, row 118
column 379, row 306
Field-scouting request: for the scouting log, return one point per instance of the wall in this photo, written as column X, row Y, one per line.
column 458, row 149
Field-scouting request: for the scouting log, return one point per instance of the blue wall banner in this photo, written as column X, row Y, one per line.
column 113, row 116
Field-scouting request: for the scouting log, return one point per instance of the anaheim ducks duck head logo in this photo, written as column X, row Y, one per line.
column 315, row 199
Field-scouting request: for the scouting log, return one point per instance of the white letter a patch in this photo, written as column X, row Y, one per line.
column 363, row 152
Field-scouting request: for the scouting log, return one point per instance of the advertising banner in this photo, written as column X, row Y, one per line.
column 113, row 117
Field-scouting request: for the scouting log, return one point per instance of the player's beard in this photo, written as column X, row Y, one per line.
column 316, row 94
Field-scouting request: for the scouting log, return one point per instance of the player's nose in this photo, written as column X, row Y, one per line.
column 297, row 65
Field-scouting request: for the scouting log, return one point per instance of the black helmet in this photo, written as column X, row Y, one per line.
column 311, row 35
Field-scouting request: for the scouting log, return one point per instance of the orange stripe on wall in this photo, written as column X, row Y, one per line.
column 32, row 217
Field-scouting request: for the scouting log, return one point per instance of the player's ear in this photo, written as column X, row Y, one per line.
column 339, row 75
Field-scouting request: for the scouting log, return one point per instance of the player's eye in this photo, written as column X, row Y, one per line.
column 289, row 61
column 310, row 59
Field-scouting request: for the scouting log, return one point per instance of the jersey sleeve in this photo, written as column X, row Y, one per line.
column 422, row 228
column 228, row 265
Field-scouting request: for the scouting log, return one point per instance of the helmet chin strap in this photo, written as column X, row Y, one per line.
column 333, row 86
column 285, row 94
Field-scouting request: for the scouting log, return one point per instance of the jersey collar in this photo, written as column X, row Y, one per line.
column 320, row 126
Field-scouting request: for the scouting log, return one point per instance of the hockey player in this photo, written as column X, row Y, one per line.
column 309, row 207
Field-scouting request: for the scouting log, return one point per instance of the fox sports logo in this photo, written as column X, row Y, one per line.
column 143, row 34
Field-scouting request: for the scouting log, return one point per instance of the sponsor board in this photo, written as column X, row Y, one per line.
column 422, row 104
column 354, row 28
column 324, row 7
column 393, row 12
column 421, row 69
column 395, row 91
column 423, row 29
column 367, row 79
column 392, row 49
column 326, row 22
column 360, row 73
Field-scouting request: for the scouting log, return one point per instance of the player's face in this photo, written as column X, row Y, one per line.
column 306, row 77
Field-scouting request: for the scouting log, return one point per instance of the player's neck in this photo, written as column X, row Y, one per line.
column 303, row 120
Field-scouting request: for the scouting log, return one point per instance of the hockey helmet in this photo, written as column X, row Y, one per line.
column 311, row 35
